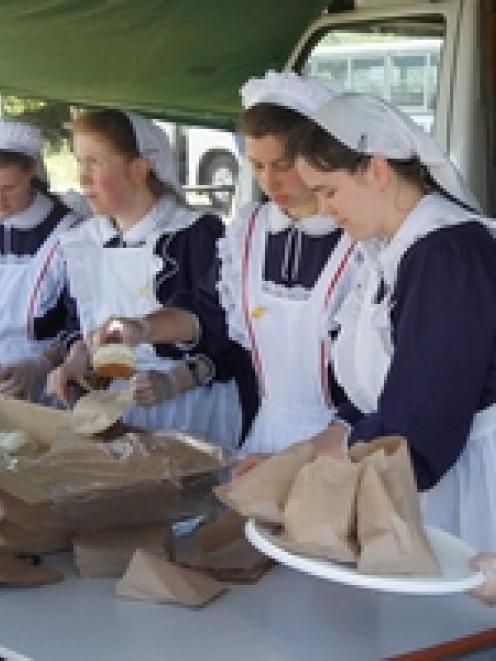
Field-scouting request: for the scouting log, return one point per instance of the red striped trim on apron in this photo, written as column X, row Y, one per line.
column 324, row 348
column 36, row 291
column 257, row 362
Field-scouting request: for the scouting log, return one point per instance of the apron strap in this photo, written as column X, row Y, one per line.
column 244, row 297
column 324, row 345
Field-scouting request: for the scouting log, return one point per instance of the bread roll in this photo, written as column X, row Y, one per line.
column 114, row 361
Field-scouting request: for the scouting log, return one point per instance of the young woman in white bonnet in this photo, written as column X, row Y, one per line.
column 144, row 246
column 31, row 222
column 284, row 269
column 416, row 350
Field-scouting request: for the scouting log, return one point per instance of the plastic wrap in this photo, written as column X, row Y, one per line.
column 84, row 483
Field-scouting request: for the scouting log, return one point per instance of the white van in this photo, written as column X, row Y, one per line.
column 433, row 59
column 402, row 70
column 208, row 162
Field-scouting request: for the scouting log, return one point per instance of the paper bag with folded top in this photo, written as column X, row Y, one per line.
column 152, row 578
column 262, row 492
column 320, row 512
column 389, row 525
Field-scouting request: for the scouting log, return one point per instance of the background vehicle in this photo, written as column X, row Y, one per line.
column 403, row 71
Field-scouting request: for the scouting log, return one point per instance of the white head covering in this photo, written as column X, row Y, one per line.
column 154, row 145
column 20, row 138
column 289, row 90
column 371, row 125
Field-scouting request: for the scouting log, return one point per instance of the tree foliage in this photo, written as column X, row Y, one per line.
column 50, row 116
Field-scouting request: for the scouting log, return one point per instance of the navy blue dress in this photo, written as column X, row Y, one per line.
column 443, row 368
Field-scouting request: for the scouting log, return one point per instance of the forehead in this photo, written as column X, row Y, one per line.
column 266, row 148
column 315, row 176
column 92, row 142
column 11, row 174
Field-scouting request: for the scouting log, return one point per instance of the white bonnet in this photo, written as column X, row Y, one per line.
column 370, row 125
column 154, row 145
column 21, row 138
column 289, row 90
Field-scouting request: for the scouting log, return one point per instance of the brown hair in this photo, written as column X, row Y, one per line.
column 22, row 161
column 269, row 119
column 116, row 127
column 324, row 152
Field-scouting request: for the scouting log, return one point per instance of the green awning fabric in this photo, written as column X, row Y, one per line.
column 182, row 59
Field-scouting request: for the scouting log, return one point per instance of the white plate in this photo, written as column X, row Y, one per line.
column 452, row 553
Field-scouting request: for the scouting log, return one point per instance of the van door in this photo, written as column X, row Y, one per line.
column 423, row 57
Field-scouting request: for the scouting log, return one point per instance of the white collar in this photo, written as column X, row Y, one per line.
column 278, row 221
column 36, row 213
column 431, row 213
column 165, row 216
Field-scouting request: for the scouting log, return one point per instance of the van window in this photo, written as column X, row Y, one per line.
column 396, row 59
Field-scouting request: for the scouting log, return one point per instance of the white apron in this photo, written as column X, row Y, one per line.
column 289, row 339
column 21, row 282
column 464, row 501
column 120, row 281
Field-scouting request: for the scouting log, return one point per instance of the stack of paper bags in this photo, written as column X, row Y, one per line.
column 108, row 553
column 362, row 510
column 152, row 578
column 82, row 483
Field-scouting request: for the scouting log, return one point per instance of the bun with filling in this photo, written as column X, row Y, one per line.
column 114, row 361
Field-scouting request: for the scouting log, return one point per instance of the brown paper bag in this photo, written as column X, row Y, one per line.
column 18, row 572
column 236, row 562
column 226, row 528
column 261, row 493
column 319, row 517
column 108, row 553
column 14, row 539
column 224, row 553
column 389, row 524
column 151, row 578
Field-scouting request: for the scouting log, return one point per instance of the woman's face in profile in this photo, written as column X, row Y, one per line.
column 275, row 175
column 354, row 201
column 15, row 189
column 104, row 173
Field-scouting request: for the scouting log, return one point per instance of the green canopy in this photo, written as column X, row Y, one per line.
column 181, row 59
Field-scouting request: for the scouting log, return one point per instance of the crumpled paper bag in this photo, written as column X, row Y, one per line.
column 320, row 512
column 152, row 578
column 389, row 523
column 262, row 492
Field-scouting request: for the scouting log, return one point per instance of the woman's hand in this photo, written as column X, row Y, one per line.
column 151, row 388
column 331, row 441
column 127, row 330
column 72, row 370
column 248, row 463
column 485, row 562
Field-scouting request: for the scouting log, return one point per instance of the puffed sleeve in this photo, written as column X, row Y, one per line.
column 55, row 312
column 216, row 298
column 443, row 323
